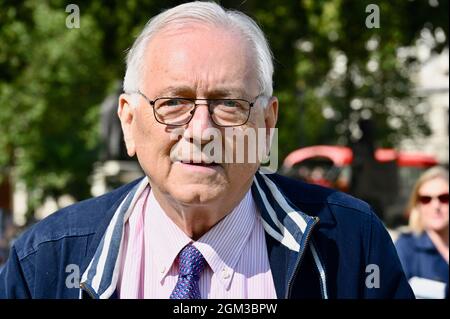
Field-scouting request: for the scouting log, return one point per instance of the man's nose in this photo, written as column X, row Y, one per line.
column 201, row 120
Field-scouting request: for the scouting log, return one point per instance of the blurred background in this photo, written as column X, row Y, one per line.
column 363, row 107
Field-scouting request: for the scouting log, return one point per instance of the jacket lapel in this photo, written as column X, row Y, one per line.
column 99, row 278
column 288, row 235
column 279, row 258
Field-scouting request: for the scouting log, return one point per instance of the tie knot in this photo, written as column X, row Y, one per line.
column 191, row 261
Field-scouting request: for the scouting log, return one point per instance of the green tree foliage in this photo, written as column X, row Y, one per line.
column 330, row 71
column 51, row 80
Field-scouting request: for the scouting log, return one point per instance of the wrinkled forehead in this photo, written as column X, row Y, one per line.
column 202, row 53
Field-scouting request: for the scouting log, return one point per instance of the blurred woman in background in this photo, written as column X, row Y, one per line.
column 424, row 252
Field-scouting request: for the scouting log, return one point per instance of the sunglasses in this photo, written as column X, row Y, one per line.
column 443, row 198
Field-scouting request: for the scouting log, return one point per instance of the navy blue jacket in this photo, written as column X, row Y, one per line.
column 321, row 244
column 420, row 258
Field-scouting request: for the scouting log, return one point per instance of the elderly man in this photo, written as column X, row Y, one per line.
column 204, row 227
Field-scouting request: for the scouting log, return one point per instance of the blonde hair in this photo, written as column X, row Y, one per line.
column 412, row 211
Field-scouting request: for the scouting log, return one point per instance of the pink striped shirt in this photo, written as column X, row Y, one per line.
column 234, row 249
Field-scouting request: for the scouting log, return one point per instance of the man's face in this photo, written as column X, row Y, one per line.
column 193, row 62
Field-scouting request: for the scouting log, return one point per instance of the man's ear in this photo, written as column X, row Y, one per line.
column 126, row 115
column 271, row 112
column 270, row 118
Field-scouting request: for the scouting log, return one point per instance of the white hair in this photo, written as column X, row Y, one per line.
column 208, row 13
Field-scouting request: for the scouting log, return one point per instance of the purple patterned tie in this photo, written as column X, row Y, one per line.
column 192, row 264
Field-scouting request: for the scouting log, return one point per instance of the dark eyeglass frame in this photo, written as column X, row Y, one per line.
column 152, row 104
column 425, row 199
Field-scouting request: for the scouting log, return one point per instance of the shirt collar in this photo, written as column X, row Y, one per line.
column 167, row 239
column 221, row 246
column 423, row 241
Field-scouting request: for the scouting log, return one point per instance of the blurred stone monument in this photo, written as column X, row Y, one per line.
column 115, row 167
column 113, row 146
column 373, row 181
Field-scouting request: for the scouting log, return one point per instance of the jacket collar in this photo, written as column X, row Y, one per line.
column 423, row 242
column 288, row 229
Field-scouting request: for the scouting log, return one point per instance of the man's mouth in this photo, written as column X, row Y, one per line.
column 197, row 163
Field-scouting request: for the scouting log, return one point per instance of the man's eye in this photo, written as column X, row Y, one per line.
column 230, row 103
column 173, row 102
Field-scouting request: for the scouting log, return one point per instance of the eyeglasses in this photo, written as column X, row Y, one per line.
column 424, row 199
column 178, row 111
